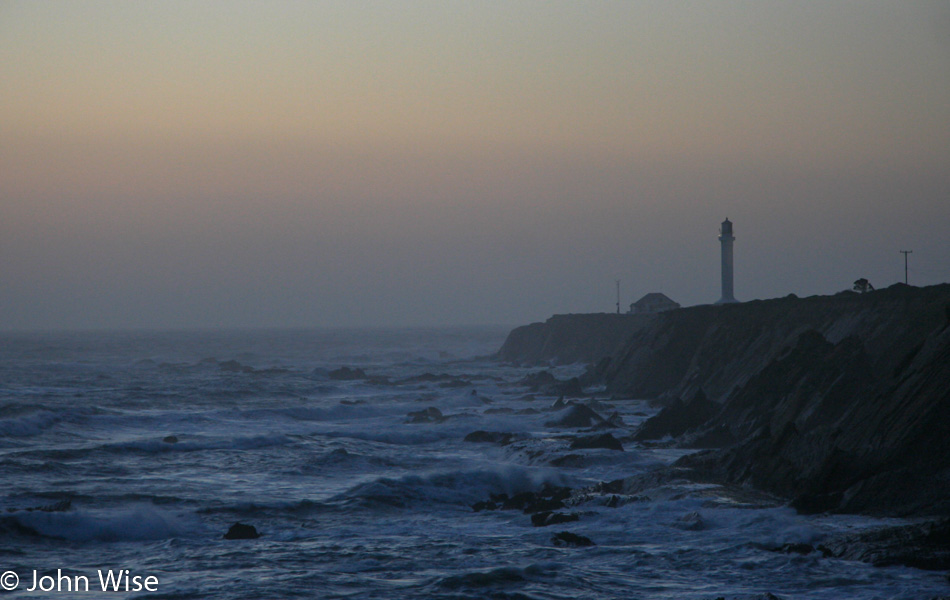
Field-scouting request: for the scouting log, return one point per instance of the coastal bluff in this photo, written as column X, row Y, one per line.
column 573, row 338
column 839, row 403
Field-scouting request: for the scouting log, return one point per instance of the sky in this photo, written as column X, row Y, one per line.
column 183, row 164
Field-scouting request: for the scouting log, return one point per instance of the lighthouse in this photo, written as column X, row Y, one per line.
column 725, row 240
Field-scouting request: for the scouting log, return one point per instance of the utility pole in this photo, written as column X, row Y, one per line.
column 905, row 253
column 618, row 296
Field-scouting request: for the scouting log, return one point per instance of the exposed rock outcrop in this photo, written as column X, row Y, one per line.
column 566, row 339
column 347, row 374
column 489, row 437
column 602, row 440
column 543, row 519
column 920, row 545
column 442, row 379
column 691, row 521
column 572, row 540
column 548, row 498
column 841, row 402
column 678, row 417
column 426, row 415
column 825, row 427
column 718, row 348
column 233, row 366
column 241, row 531
column 577, row 416
column 543, row 382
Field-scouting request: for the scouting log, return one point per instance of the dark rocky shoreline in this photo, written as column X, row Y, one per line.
column 836, row 403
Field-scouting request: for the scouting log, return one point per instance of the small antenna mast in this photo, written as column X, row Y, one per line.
column 618, row 296
column 905, row 253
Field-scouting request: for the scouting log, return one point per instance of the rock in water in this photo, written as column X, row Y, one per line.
column 691, row 521
column 614, row 420
column 541, row 381
column 489, row 437
column 566, row 538
column 577, row 416
column 170, row 439
column 240, row 531
column 347, row 374
column 546, row 500
column 233, row 366
column 545, row 383
column 543, row 519
column 571, row 388
column 428, row 415
column 603, row 440
column 484, row 505
column 61, row 506
column 919, row 545
column 793, row 548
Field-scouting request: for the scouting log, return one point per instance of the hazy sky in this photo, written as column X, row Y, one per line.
column 181, row 164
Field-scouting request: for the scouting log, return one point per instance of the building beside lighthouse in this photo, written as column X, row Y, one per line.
column 653, row 302
column 725, row 241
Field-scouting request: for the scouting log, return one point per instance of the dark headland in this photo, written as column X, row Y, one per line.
column 837, row 403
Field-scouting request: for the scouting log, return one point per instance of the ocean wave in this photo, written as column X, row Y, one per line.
column 53, row 458
column 31, row 463
column 395, row 437
column 451, row 487
column 28, row 420
column 333, row 412
column 38, row 500
column 341, row 457
column 138, row 523
column 156, row 445
column 29, row 423
column 501, row 576
column 257, row 509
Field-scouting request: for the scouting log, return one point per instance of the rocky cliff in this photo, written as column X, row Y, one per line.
column 839, row 402
column 566, row 339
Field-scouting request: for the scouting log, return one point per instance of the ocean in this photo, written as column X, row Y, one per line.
column 129, row 456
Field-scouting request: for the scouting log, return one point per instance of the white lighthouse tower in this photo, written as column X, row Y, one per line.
column 725, row 240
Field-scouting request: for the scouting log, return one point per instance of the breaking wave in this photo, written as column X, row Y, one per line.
column 138, row 523
column 452, row 487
